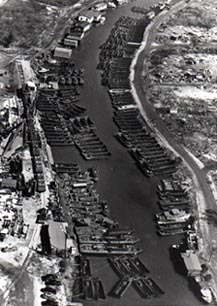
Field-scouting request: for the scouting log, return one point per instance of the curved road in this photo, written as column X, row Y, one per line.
column 139, row 86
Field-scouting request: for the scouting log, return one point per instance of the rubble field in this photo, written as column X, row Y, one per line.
column 182, row 72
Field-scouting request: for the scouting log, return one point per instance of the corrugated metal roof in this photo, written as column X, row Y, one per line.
column 57, row 234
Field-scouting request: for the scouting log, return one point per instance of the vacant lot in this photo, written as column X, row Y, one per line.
column 22, row 22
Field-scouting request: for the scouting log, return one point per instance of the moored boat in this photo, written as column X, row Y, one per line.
column 108, row 240
column 172, row 216
column 167, row 232
column 101, row 249
column 121, row 287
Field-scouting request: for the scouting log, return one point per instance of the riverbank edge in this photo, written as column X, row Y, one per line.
column 199, row 196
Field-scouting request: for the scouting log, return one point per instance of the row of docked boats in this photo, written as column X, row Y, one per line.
column 61, row 118
column 128, row 266
column 109, row 249
column 127, row 32
column 108, row 239
column 93, row 289
column 53, row 100
column 176, row 216
column 62, row 168
column 171, row 195
column 69, row 110
column 172, row 216
column 84, row 285
column 53, row 124
column 151, row 157
column 97, row 233
column 147, row 288
column 82, row 123
column 90, row 145
column 133, row 272
column 68, row 95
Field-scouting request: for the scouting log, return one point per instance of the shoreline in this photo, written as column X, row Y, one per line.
column 200, row 198
column 134, row 91
column 132, row 200
column 140, row 199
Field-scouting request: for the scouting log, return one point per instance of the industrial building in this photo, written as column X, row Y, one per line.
column 191, row 262
column 100, row 6
column 63, row 52
column 58, row 237
column 73, row 39
column 70, row 42
column 87, row 16
column 90, row 16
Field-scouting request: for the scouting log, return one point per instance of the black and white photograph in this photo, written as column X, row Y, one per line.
column 108, row 152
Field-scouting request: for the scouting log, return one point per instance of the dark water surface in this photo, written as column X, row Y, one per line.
column 131, row 197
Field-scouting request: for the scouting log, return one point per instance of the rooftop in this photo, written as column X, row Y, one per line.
column 57, row 234
column 191, row 261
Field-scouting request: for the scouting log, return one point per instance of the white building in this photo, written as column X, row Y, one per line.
column 99, row 7
column 73, row 39
column 62, row 52
column 90, row 16
column 86, row 16
column 27, row 171
column 71, row 42
column 75, row 35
